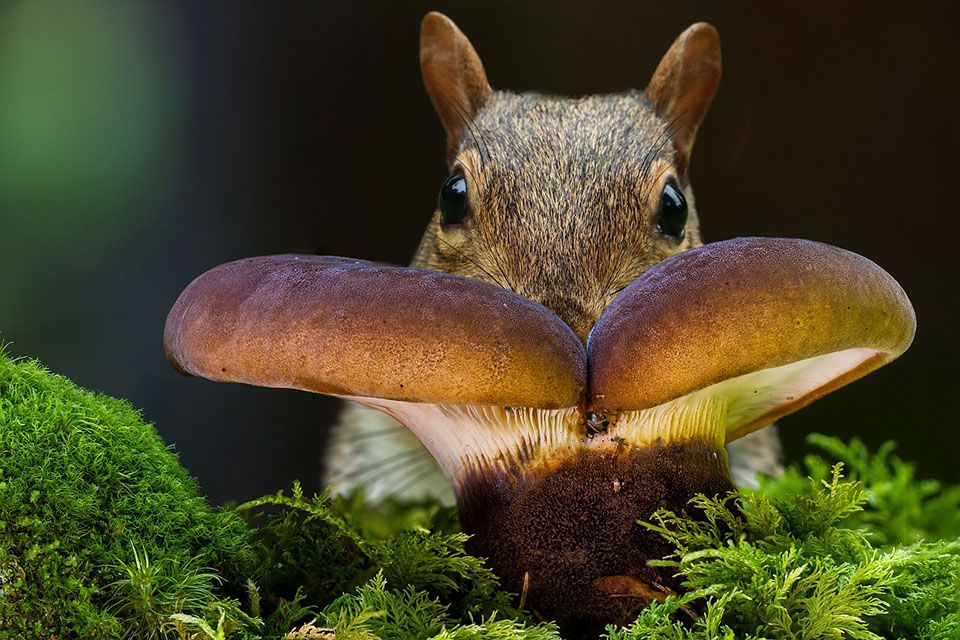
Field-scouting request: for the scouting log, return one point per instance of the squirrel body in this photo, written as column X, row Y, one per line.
column 563, row 202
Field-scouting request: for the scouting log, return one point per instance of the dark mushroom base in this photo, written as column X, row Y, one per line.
column 565, row 535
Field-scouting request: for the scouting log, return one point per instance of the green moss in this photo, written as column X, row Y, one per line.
column 812, row 555
column 312, row 550
column 810, row 558
column 88, row 490
column 103, row 535
column 375, row 612
column 899, row 507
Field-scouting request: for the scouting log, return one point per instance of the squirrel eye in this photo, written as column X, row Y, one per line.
column 673, row 212
column 453, row 200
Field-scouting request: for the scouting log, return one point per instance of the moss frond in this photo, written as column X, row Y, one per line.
column 807, row 562
column 313, row 545
column 900, row 508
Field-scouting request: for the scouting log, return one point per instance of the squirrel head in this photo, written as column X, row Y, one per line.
column 564, row 200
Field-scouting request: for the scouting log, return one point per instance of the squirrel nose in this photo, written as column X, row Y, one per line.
column 573, row 314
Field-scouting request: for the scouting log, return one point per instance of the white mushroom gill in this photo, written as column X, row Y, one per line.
column 727, row 410
column 464, row 438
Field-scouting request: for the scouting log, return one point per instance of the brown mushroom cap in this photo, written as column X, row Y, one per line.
column 729, row 309
column 348, row 327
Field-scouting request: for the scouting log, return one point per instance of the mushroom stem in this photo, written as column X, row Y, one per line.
column 555, row 510
column 561, row 529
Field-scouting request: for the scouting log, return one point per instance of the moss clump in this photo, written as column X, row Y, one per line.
column 101, row 529
column 899, row 508
column 810, row 557
column 386, row 571
column 103, row 535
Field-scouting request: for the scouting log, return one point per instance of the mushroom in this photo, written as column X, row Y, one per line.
column 703, row 348
column 476, row 372
column 741, row 333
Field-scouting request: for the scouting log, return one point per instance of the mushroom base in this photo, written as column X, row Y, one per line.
column 564, row 533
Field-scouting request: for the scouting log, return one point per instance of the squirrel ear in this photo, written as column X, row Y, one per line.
column 453, row 75
column 684, row 83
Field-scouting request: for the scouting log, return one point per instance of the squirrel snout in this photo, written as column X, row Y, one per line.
column 573, row 313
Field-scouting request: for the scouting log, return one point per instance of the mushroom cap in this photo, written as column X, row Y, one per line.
column 348, row 327
column 729, row 309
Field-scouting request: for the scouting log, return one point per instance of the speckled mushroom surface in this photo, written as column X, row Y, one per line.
column 739, row 307
column 348, row 327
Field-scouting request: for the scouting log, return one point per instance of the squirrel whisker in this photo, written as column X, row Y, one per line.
column 429, row 469
column 383, row 463
column 505, row 284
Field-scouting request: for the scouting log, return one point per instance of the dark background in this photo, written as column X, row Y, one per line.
column 141, row 144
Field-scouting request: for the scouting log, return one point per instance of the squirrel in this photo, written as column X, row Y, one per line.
column 562, row 200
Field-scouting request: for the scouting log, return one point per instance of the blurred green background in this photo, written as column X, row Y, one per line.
column 142, row 143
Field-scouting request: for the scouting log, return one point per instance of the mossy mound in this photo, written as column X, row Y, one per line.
column 798, row 566
column 88, row 494
column 103, row 535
